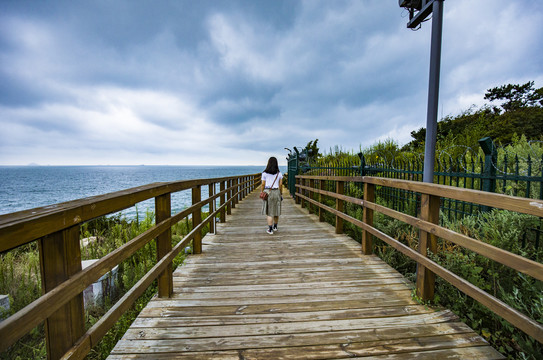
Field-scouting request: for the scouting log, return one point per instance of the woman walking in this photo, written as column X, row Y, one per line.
column 273, row 186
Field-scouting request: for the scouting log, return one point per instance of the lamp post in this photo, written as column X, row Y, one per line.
column 419, row 10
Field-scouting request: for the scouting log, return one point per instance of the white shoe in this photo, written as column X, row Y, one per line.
column 269, row 231
column 275, row 229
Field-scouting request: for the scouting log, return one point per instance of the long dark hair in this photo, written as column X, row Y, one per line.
column 273, row 167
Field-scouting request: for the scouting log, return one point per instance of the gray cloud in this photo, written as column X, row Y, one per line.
column 234, row 82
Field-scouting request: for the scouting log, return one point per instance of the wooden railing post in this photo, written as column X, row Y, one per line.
column 197, row 219
column 298, row 199
column 240, row 189
column 60, row 258
column 234, row 195
column 340, row 185
column 212, row 208
column 163, row 211
column 312, row 195
column 246, row 186
column 367, row 218
column 223, row 200
column 303, row 192
column 425, row 278
column 229, row 184
column 321, row 200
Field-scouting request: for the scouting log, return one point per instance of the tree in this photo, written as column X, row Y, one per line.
column 516, row 96
column 526, row 121
column 523, row 115
column 312, row 150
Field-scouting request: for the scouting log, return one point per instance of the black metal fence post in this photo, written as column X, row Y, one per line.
column 292, row 172
column 489, row 170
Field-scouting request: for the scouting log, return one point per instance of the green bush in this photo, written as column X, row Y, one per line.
column 503, row 229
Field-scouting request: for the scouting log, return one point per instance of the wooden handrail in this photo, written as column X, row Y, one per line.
column 22, row 227
column 519, row 263
column 19, row 228
column 504, row 257
column 506, row 202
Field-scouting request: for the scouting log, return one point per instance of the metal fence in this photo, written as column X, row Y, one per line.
column 479, row 170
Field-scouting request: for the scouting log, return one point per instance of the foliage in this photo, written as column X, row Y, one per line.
column 516, row 96
column 20, row 278
column 465, row 129
column 521, row 157
column 502, row 229
column 387, row 152
column 524, row 121
column 312, row 150
column 338, row 154
column 523, row 116
column 399, row 231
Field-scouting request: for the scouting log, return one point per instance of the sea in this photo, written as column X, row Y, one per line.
column 28, row 187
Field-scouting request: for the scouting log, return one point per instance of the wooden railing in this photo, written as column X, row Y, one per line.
column 308, row 187
column 57, row 230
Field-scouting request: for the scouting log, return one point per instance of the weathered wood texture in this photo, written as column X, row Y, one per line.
column 302, row 293
column 429, row 230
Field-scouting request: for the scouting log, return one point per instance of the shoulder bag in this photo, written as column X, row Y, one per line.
column 264, row 194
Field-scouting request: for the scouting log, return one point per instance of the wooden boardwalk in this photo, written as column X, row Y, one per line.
column 302, row 293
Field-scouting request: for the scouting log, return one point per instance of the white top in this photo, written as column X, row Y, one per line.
column 268, row 178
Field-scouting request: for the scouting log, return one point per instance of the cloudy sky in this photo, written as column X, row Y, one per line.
column 234, row 82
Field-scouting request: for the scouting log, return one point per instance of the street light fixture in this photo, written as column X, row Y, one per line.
column 411, row 6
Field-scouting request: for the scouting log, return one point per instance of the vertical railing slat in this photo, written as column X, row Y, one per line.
column 223, row 200
column 312, row 195
column 340, row 189
column 197, row 219
column 234, row 195
column 427, row 241
column 212, row 208
column 60, row 258
column 302, row 191
column 297, row 198
column 164, row 244
column 367, row 216
column 229, row 184
column 321, row 200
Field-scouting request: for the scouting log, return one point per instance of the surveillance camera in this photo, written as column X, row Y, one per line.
column 411, row 4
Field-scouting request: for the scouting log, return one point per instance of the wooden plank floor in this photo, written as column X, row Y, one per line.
column 302, row 293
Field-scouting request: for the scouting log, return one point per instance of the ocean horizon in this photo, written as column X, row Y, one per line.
column 25, row 187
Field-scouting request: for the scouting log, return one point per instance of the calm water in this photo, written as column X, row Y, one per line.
column 26, row 187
